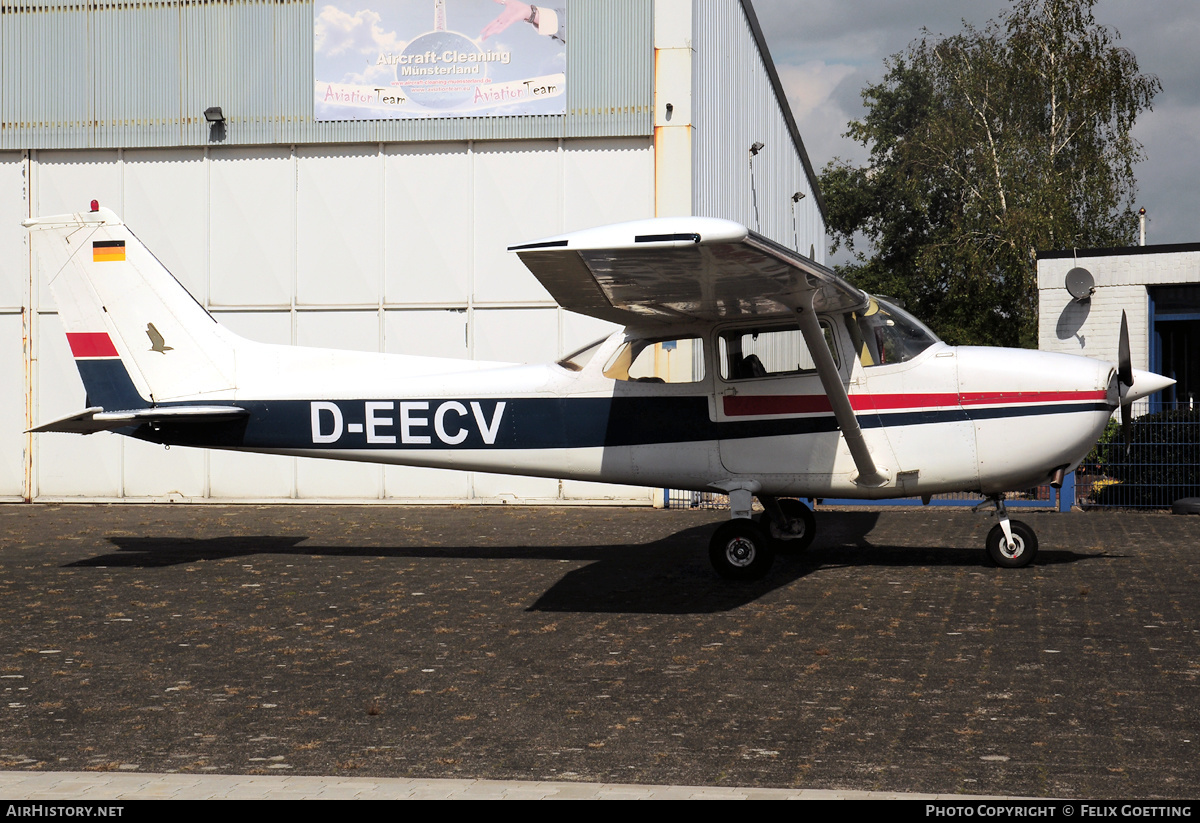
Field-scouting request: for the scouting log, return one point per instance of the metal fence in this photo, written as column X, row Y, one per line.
column 1160, row 465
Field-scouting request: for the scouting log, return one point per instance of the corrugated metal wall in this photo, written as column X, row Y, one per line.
column 140, row 74
column 735, row 103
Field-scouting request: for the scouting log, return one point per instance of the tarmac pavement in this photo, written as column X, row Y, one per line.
column 569, row 646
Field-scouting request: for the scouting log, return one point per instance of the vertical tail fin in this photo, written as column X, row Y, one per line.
column 138, row 337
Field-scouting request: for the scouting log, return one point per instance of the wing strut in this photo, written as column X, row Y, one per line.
column 831, row 381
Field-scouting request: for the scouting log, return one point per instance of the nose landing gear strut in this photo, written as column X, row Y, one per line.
column 1011, row 544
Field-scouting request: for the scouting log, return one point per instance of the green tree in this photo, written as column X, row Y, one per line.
column 985, row 147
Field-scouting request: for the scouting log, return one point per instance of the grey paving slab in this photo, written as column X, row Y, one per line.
column 580, row 646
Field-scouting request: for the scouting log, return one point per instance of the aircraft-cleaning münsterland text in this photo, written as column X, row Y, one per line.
column 742, row 367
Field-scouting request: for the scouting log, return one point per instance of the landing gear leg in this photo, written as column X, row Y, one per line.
column 1011, row 544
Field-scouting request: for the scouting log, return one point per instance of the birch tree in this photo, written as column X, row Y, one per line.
column 985, row 147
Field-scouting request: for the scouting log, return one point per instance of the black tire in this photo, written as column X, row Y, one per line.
column 795, row 512
column 741, row 550
column 1024, row 540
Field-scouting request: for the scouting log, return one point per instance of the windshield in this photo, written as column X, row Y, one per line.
column 884, row 334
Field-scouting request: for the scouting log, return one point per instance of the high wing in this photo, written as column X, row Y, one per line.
column 677, row 268
column 674, row 269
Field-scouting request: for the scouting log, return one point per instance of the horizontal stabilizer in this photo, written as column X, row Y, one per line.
column 96, row 419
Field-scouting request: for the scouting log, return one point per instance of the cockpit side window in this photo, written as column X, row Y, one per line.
column 677, row 360
column 749, row 353
column 884, row 334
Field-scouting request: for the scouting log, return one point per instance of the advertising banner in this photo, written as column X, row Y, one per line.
column 403, row 59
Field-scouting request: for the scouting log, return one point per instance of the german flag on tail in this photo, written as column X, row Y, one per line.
column 108, row 251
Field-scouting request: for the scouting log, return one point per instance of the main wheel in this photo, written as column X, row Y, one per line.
column 740, row 550
column 1025, row 546
column 801, row 526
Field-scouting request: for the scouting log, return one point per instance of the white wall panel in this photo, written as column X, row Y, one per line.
column 578, row 330
column 429, row 333
column 411, row 483
column 242, row 476
column 150, row 470
column 580, row 490
column 516, row 197
column 67, row 181
column 12, row 407
column 353, row 330
column 340, row 243
column 511, row 487
column 427, row 226
column 338, row 479
column 14, row 261
column 607, row 181
column 68, row 465
column 166, row 206
column 516, row 335
column 263, row 326
column 253, row 227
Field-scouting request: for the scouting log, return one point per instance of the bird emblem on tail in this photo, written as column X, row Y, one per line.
column 156, row 340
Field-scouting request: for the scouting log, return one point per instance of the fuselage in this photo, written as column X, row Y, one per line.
column 947, row 419
column 748, row 369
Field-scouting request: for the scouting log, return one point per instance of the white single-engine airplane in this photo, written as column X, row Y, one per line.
column 743, row 368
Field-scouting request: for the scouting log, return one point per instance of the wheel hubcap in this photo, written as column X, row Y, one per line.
column 740, row 552
column 1018, row 548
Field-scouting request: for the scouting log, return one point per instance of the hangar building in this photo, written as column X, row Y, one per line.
column 327, row 175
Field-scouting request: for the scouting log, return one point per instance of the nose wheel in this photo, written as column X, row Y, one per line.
column 1011, row 544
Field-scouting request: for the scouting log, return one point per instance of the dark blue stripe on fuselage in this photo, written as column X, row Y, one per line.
column 532, row 423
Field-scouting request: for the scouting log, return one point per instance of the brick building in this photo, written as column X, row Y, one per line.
column 1158, row 287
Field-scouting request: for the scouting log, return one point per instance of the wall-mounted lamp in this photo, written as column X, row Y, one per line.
column 216, row 123
column 756, row 147
column 797, row 197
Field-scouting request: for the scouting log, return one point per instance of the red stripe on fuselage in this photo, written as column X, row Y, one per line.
column 766, row 404
column 91, row 344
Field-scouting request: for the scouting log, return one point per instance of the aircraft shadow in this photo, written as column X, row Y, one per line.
column 667, row 576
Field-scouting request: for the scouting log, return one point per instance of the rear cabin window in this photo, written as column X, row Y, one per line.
column 576, row 360
column 679, row 360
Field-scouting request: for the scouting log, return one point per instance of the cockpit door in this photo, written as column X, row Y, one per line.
column 771, row 408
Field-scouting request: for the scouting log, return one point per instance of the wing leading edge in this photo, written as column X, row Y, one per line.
column 682, row 268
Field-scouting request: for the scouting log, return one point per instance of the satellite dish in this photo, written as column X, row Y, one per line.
column 1080, row 283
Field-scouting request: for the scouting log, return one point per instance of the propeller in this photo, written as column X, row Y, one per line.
column 1125, row 376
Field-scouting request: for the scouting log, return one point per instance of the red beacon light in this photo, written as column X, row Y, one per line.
column 95, row 205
